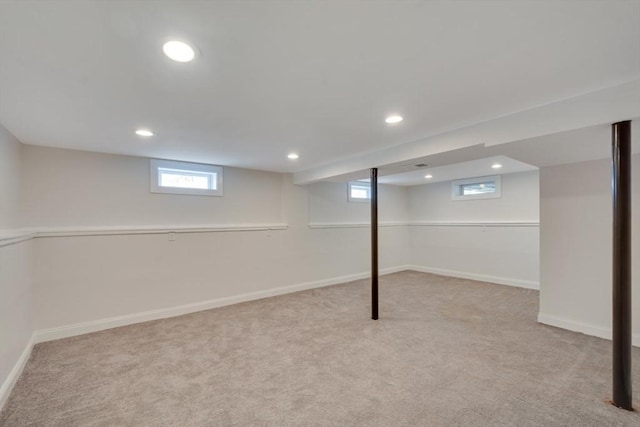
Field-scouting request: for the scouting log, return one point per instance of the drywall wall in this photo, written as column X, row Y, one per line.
column 80, row 280
column 15, row 269
column 16, row 312
column 79, row 188
column 490, row 239
column 576, row 242
column 10, row 184
column 329, row 204
column 519, row 201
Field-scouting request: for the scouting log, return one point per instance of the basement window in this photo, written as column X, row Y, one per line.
column 487, row 187
column 185, row 178
column 359, row 191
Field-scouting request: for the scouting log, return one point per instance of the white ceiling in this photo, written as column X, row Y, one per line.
column 579, row 145
column 469, row 169
column 315, row 77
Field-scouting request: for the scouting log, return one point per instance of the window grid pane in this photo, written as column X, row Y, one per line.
column 484, row 187
column 186, row 179
column 359, row 192
column 174, row 177
column 478, row 188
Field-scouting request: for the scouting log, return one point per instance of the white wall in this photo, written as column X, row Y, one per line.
column 488, row 239
column 89, row 278
column 576, row 241
column 15, row 268
column 329, row 204
column 10, row 184
column 519, row 201
column 79, row 188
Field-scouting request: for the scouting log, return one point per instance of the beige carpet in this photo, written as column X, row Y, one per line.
column 445, row 352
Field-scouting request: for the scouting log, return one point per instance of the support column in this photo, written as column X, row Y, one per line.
column 621, row 189
column 374, row 243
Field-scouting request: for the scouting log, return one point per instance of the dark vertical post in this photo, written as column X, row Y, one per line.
column 374, row 243
column 621, row 189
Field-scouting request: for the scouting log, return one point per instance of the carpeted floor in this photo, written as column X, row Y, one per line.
column 445, row 352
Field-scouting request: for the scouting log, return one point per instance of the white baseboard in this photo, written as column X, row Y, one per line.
column 528, row 284
column 11, row 380
column 585, row 328
column 129, row 319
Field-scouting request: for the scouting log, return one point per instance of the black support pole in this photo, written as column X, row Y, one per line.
column 374, row 243
column 621, row 189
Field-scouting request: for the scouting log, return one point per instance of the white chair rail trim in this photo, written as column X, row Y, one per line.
column 8, row 237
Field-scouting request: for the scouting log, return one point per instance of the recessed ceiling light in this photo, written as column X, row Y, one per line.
column 393, row 119
column 179, row 51
column 428, row 176
column 144, row 132
column 293, row 156
column 496, row 165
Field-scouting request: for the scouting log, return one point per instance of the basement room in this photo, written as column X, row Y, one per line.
column 319, row 213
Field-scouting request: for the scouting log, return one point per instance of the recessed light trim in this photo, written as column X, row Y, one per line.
column 496, row 166
column 179, row 51
column 144, row 132
column 293, row 156
column 428, row 176
column 393, row 119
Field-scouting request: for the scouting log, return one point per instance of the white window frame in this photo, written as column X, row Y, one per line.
column 156, row 166
column 358, row 199
column 456, row 188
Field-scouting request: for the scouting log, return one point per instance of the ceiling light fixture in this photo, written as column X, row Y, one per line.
column 179, row 51
column 393, row 119
column 496, row 165
column 293, row 156
column 144, row 132
column 428, row 176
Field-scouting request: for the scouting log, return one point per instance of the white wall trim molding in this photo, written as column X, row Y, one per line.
column 13, row 376
column 356, row 224
column 10, row 237
column 519, row 283
column 152, row 229
column 524, row 223
column 129, row 319
column 15, row 236
column 585, row 328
